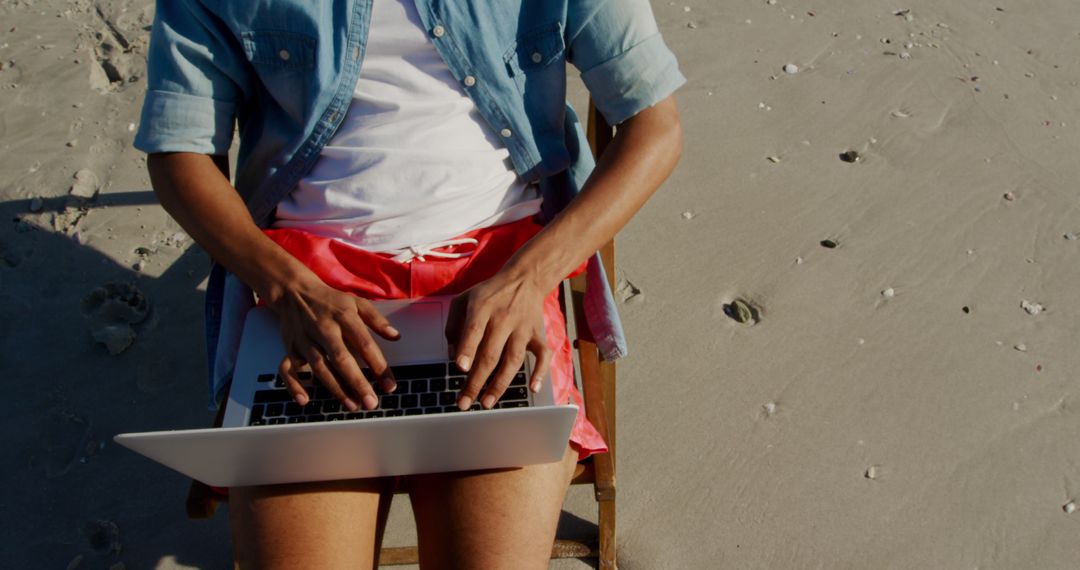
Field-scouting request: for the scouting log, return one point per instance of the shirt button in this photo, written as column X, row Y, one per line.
column 284, row 55
column 470, row 81
column 356, row 52
column 536, row 57
column 506, row 133
column 438, row 31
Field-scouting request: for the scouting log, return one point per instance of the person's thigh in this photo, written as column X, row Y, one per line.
column 326, row 525
column 490, row 519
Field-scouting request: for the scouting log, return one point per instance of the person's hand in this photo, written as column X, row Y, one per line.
column 490, row 327
column 327, row 330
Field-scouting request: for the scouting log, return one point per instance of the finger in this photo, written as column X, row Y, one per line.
column 288, row 372
column 512, row 357
column 539, row 347
column 487, row 358
column 455, row 320
column 322, row 372
column 469, row 335
column 359, row 341
column 374, row 319
column 342, row 364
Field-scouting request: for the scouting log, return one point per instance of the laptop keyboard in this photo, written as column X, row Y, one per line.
column 421, row 389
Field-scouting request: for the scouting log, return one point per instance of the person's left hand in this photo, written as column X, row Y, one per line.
column 490, row 327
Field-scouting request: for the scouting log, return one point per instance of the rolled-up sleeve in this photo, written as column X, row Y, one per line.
column 623, row 59
column 197, row 75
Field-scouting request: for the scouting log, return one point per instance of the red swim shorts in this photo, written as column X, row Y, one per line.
column 378, row 276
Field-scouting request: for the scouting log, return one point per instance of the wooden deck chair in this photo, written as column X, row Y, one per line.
column 598, row 392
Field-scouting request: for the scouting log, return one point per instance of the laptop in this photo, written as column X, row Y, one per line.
column 266, row 438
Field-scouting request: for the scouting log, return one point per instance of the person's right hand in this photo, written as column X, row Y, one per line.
column 327, row 330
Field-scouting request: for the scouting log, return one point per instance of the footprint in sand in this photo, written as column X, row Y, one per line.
column 111, row 310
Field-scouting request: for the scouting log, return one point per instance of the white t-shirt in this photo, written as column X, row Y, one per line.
column 413, row 163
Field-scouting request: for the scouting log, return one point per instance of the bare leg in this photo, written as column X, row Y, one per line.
column 328, row 525
column 490, row 519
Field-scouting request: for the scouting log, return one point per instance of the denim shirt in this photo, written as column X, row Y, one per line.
column 283, row 72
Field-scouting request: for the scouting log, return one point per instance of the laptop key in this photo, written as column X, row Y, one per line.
column 276, row 421
column 418, row 386
column 257, row 422
column 279, row 382
column 389, row 402
column 331, row 407
column 437, row 384
column 448, row 409
column 394, row 413
column 265, row 377
column 513, row 404
column 269, row 396
column 429, row 399
column 335, row 417
column 374, row 414
column 296, row 420
column 456, row 382
column 355, row 415
column 293, row 409
column 419, row 371
column 447, row 398
column 274, row 409
column 314, row 419
column 519, row 380
column 257, row 412
column 432, row 411
column 312, row 407
column 413, row 412
column 410, row 401
column 515, row 393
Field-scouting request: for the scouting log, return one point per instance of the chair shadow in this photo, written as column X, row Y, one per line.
column 78, row 494
column 574, row 527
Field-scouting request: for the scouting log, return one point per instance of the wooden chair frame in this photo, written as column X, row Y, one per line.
column 598, row 391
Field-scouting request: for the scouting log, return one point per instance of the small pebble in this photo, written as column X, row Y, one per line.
column 791, row 69
column 35, row 204
column 1010, row 196
column 905, row 55
column 773, row 159
column 829, row 244
column 691, row 25
column 1021, row 347
column 1070, row 236
column 688, row 215
column 72, row 143
column 1031, row 308
column 798, row 260
column 888, row 293
column 871, row 472
column 770, row 408
column 850, row 156
column 966, row 309
column 1069, row 507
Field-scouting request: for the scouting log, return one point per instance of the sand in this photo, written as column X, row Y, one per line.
column 905, row 399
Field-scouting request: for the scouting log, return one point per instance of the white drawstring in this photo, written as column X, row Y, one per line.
column 419, row 251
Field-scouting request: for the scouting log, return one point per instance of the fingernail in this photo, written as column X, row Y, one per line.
column 392, row 331
column 391, row 385
column 489, row 401
column 301, row 399
column 351, row 405
column 463, row 363
column 464, row 402
column 535, row 387
column 371, row 402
